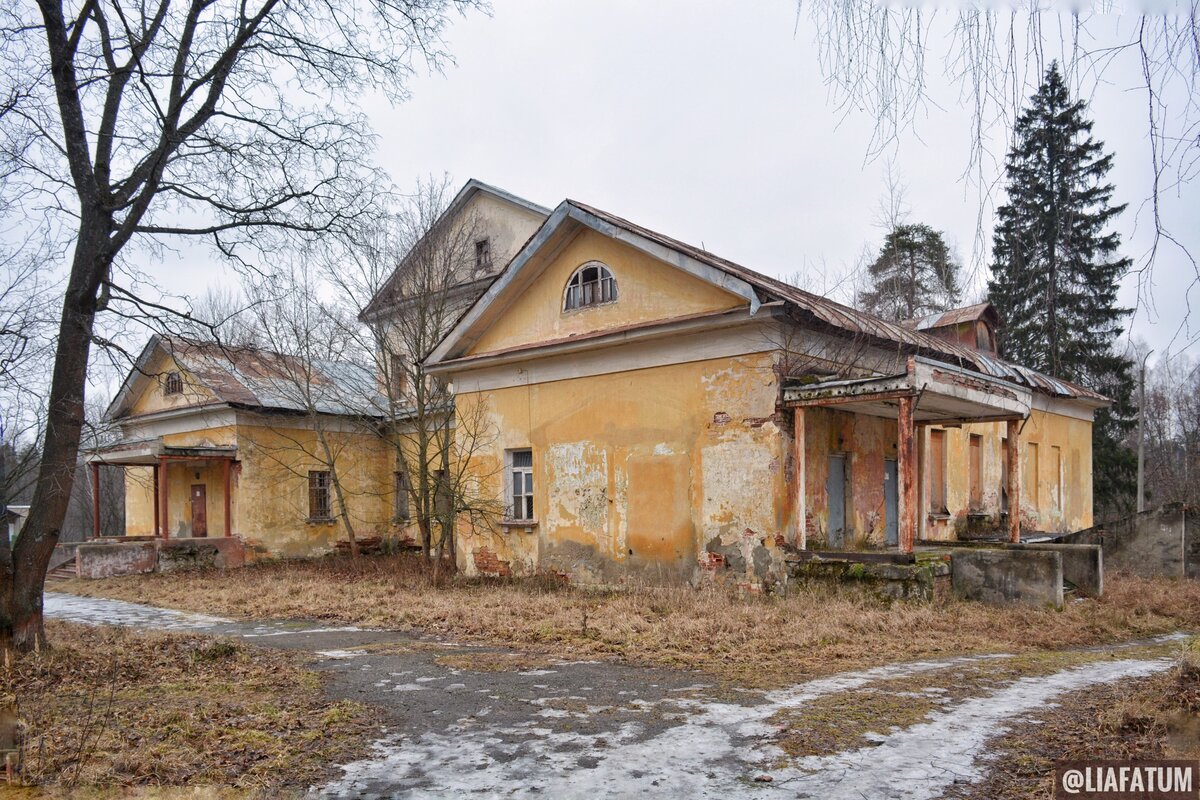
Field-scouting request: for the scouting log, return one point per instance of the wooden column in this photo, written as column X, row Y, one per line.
column 225, row 476
column 1014, row 481
column 157, row 503
column 799, row 486
column 907, row 467
column 164, row 486
column 95, row 499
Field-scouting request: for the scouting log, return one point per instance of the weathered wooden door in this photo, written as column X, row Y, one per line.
column 891, row 500
column 835, row 492
column 199, row 510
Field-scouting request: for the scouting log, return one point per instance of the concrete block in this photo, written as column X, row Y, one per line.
column 200, row 553
column 1150, row 544
column 111, row 559
column 1082, row 564
column 1032, row 577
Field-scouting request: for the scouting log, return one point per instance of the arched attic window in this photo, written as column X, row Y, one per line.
column 590, row 285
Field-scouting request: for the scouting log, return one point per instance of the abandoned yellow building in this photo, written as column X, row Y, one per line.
column 222, row 441
column 654, row 410
column 660, row 409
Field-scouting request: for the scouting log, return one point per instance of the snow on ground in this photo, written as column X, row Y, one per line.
column 99, row 611
column 717, row 750
column 102, row 611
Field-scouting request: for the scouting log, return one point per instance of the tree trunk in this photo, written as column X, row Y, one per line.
column 21, row 625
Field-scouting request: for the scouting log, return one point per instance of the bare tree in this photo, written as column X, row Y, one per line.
column 1172, row 431
column 124, row 125
column 414, row 282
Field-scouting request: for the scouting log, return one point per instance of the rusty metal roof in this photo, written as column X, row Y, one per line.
column 954, row 316
column 255, row 378
column 846, row 320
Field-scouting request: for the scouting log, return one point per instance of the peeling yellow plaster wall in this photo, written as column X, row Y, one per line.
column 868, row 441
column 635, row 472
column 274, row 472
column 153, row 399
column 647, row 289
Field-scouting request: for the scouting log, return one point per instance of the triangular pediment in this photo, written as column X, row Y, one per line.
column 525, row 305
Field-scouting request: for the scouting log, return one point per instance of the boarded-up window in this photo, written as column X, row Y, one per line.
column 172, row 383
column 1056, row 476
column 319, row 506
column 1029, row 488
column 937, row 472
column 520, row 497
column 975, row 473
column 402, row 488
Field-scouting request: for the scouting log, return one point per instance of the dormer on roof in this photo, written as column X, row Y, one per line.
column 971, row 326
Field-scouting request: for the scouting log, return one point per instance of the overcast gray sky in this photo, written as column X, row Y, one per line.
column 711, row 122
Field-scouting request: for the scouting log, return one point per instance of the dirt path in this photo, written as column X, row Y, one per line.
column 499, row 723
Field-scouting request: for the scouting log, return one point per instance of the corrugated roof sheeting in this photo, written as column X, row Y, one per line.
column 251, row 377
column 860, row 323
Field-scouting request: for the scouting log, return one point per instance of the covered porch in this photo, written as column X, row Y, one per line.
column 927, row 393
column 181, row 485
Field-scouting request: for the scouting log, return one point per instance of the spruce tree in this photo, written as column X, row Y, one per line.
column 914, row 275
column 1055, row 270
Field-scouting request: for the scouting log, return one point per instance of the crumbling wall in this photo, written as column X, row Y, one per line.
column 1150, row 544
column 636, row 474
column 867, row 442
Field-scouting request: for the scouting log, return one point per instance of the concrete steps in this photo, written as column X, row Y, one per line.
column 60, row 574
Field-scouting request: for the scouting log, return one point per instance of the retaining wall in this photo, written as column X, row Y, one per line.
column 1150, row 544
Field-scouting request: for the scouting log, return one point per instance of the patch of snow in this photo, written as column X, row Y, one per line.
column 340, row 654
column 712, row 751
column 100, row 611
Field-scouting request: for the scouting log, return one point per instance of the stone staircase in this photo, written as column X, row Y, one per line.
column 62, row 573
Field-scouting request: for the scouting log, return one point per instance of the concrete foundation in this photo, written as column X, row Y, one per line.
column 111, row 559
column 1082, row 564
column 136, row 555
column 1031, row 577
column 918, row 581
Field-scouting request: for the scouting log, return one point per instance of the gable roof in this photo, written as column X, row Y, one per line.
column 387, row 293
column 253, row 378
column 955, row 316
column 756, row 288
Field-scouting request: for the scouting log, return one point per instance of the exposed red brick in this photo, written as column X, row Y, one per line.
column 488, row 563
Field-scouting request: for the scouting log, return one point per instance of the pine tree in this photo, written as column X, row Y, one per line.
column 914, row 275
column 1055, row 271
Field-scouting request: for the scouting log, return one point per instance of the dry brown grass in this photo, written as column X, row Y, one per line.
column 108, row 710
column 1144, row 718
column 758, row 641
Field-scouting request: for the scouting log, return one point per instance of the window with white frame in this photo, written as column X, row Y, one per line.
column 591, row 285
column 520, row 484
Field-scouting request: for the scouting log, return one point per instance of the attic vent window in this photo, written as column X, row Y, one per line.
column 483, row 255
column 173, row 383
column 591, row 285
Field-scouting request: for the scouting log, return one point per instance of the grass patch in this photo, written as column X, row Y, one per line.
column 752, row 641
column 1141, row 718
column 846, row 720
column 109, row 712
